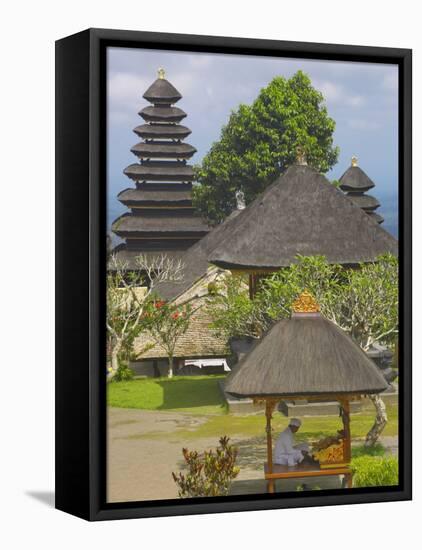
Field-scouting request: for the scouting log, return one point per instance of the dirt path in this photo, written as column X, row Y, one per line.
column 140, row 467
column 144, row 449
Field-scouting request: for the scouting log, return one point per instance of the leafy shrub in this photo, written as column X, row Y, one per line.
column 123, row 373
column 372, row 471
column 362, row 450
column 210, row 473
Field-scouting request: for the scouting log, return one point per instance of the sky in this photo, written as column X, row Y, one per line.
column 361, row 97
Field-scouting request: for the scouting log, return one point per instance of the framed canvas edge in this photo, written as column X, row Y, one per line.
column 99, row 39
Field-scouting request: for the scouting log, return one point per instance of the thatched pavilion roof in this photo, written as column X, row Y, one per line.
column 301, row 213
column 306, row 355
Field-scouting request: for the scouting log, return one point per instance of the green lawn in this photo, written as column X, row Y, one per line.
column 313, row 427
column 199, row 394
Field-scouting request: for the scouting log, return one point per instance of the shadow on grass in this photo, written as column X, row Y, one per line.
column 186, row 393
column 252, row 453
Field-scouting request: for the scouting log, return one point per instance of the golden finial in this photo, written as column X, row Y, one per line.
column 305, row 303
column 161, row 73
column 301, row 156
column 354, row 161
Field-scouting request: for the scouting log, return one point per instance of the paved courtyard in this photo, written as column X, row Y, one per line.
column 144, row 447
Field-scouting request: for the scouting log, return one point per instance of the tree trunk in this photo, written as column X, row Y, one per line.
column 170, row 375
column 114, row 360
column 380, row 421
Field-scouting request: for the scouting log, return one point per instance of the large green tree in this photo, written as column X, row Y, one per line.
column 260, row 141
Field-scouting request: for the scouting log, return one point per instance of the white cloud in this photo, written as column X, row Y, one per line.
column 124, row 88
column 354, row 100
column 336, row 93
column 362, row 124
column 200, row 60
column 391, row 81
column 121, row 118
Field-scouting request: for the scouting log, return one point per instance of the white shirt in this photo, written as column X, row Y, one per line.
column 285, row 452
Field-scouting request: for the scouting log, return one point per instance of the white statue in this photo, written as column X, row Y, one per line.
column 240, row 200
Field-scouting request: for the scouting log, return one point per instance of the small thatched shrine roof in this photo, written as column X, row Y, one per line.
column 306, row 355
column 162, row 91
column 199, row 341
column 354, row 182
column 354, row 179
column 301, row 213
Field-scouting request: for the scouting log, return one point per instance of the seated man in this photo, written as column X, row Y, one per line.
column 286, row 452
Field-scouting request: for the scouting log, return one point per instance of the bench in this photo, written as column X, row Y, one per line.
column 302, row 470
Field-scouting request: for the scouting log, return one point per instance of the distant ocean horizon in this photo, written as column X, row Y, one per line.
column 388, row 210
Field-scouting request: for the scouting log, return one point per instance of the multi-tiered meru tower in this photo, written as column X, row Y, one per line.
column 355, row 183
column 162, row 219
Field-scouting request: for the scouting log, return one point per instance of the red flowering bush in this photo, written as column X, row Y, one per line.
column 166, row 322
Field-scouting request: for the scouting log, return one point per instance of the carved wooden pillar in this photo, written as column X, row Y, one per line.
column 252, row 285
column 347, row 441
column 347, row 444
column 269, row 408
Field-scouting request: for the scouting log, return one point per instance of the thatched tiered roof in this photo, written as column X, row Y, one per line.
column 172, row 131
column 301, row 213
column 163, row 182
column 129, row 225
column 162, row 91
column 151, row 197
column 306, row 355
column 162, row 114
column 156, row 171
column 354, row 182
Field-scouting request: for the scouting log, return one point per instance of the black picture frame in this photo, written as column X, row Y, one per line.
column 81, row 261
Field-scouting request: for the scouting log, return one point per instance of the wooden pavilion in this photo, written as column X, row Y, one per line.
column 307, row 357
